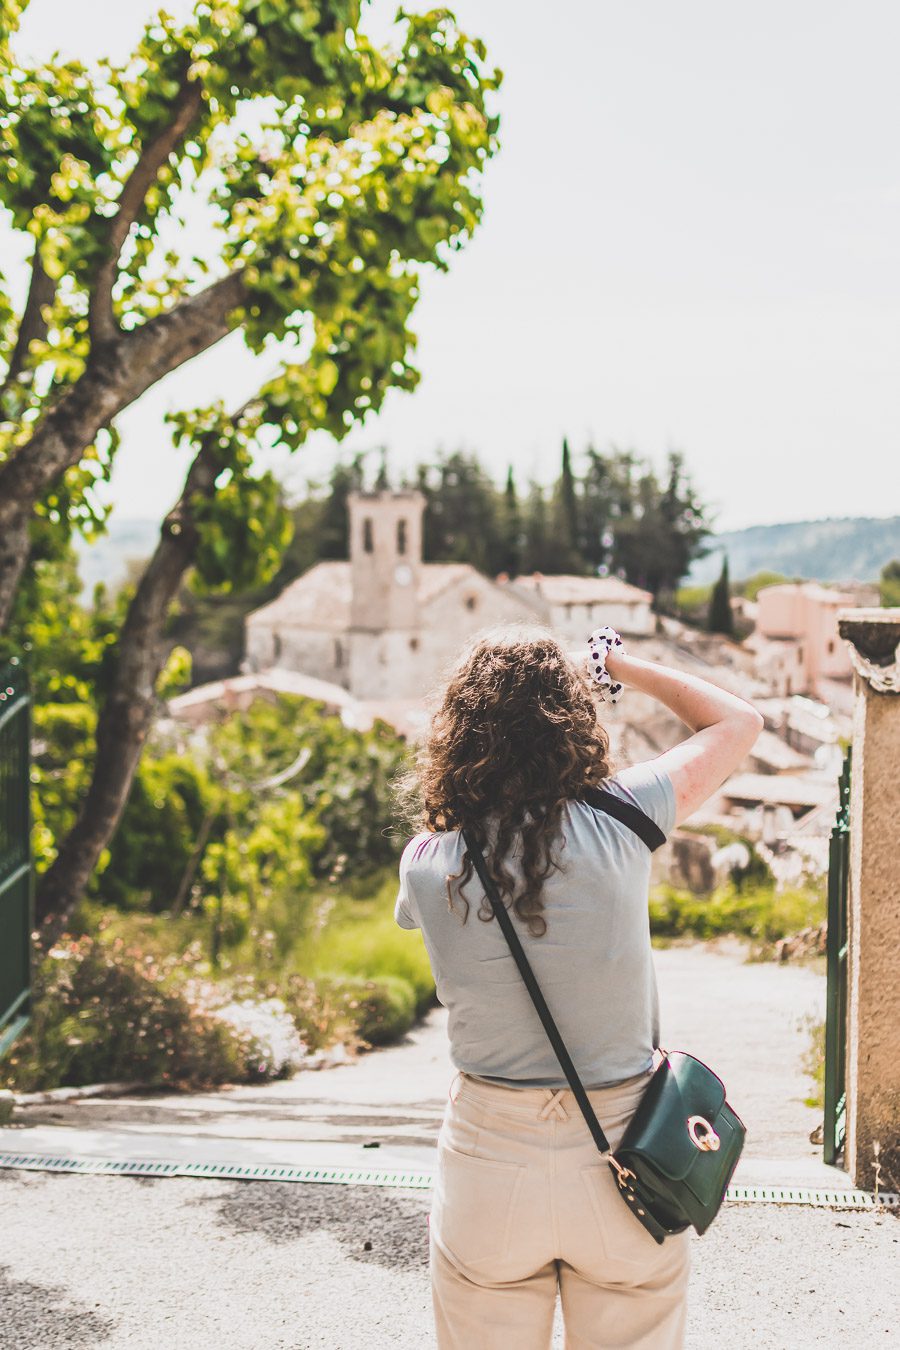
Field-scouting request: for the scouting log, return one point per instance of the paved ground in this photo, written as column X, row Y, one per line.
column 110, row 1262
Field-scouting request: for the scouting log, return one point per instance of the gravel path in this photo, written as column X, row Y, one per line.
column 104, row 1263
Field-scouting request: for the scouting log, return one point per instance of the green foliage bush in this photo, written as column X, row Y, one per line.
column 758, row 912
column 154, row 843
column 373, row 947
column 345, row 783
column 383, row 1010
column 106, row 1014
column 319, row 1009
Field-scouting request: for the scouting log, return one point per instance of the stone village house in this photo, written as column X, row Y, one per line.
column 386, row 624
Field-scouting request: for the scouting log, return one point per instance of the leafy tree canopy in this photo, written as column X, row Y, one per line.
column 327, row 170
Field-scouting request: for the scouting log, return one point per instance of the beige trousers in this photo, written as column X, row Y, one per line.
column 524, row 1206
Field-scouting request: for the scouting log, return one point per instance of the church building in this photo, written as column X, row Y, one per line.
column 386, row 624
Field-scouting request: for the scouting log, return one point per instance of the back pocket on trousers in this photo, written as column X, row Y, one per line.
column 624, row 1247
column 473, row 1207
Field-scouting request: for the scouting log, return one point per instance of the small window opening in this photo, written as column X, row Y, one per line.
column 368, row 538
column 413, row 644
column 401, row 536
column 338, row 654
column 471, row 601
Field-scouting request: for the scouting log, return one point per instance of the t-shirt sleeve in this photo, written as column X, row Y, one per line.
column 405, row 910
column 650, row 788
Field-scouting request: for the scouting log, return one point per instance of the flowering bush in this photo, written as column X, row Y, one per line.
column 319, row 1012
column 109, row 1013
column 274, row 1047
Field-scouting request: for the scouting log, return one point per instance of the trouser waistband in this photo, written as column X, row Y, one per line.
column 545, row 1103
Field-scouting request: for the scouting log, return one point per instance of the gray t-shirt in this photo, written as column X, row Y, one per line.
column 594, row 963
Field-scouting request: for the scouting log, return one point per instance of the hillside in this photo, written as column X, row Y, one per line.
column 851, row 549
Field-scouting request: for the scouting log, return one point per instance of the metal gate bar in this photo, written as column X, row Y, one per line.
column 15, row 854
column 835, row 1127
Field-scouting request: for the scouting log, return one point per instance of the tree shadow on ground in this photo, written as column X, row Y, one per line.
column 46, row 1316
column 374, row 1225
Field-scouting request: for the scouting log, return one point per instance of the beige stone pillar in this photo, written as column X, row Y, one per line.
column 873, row 1028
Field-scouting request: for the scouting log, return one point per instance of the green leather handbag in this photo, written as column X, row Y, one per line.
column 682, row 1144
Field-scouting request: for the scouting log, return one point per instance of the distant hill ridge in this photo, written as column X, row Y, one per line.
column 851, row 548
column 854, row 548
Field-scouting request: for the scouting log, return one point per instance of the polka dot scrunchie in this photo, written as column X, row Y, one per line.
column 600, row 643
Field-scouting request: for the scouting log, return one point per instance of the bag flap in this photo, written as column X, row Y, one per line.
column 681, row 1087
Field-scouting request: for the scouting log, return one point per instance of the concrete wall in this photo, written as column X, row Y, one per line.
column 313, row 651
column 411, row 663
column 873, row 1027
column 807, row 615
column 574, row 621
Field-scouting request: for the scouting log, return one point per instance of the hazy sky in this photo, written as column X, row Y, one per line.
column 690, row 240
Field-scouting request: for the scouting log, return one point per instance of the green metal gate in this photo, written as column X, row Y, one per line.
column 15, row 853
column 836, row 959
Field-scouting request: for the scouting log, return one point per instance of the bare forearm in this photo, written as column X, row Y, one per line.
column 696, row 702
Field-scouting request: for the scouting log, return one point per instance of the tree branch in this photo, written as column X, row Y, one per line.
column 114, row 378
column 32, row 327
column 102, row 321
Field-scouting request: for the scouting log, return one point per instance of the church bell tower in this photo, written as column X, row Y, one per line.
column 385, row 570
column 385, row 559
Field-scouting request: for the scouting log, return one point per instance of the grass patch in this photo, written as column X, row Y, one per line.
column 361, row 940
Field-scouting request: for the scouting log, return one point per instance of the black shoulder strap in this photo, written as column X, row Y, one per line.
column 537, row 998
column 628, row 814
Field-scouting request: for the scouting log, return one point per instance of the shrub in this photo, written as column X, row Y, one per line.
column 383, row 1010
column 761, row 912
column 319, row 1011
column 345, row 782
column 158, row 833
column 108, row 1015
column 375, row 948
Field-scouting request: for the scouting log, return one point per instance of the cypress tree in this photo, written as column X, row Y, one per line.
column 569, row 503
column 721, row 618
column 512, row 527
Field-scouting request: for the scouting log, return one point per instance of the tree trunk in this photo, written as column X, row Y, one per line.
column 128, row 712
column 116, row 375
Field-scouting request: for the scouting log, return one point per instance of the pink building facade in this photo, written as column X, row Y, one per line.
column 797, row 638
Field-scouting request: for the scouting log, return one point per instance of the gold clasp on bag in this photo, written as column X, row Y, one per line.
column 703, row 1136
column 622, row 1173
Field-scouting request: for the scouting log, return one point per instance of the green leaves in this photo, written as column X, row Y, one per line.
column 266, row 138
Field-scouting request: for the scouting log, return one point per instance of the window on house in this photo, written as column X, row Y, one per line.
column 471, row 601
column 338, row 653
column 368, row 536
column 276, row 647
column 413, row 644
column 831, row 649
column 799, row 656
column 401, row 536
column 568, row 611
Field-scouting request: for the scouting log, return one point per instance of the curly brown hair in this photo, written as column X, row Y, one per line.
column 515, row 737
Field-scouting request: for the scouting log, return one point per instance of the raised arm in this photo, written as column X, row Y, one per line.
column 724, row 726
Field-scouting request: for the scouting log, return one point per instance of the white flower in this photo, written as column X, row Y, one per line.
column 270, row 1026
